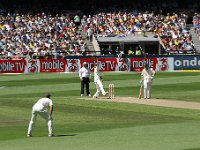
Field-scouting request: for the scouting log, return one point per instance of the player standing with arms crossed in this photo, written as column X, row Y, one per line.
column 147, row 78
column 98, row 81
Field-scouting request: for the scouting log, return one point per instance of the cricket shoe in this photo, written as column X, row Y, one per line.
column 94, row 97
column 106, row 93
column 51, row 135
column 29, row 135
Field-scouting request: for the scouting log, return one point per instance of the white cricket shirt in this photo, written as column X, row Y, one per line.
column 84, row 72
column 148, row 74
column 42, row 104
column 96, row 74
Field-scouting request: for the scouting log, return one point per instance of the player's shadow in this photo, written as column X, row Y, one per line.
column 193, row 149
column 61, row 135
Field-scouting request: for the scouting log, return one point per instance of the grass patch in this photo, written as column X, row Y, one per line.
column 85, row 125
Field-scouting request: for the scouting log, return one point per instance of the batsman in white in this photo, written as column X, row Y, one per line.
column 147, row 77
column 98, row 81
column 41, row 108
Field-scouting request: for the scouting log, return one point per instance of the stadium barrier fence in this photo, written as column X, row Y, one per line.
column 106, row 63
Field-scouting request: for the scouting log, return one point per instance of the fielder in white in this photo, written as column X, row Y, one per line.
column 98, row 82
column 147, row 77
column 41, row 108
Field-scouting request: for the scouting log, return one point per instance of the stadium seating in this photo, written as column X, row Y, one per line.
column 171, row 28
column 26, row 32
column 40, row 34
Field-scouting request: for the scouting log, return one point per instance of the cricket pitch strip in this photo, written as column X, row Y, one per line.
column 153, row 102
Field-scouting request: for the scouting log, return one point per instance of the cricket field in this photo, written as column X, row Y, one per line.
column 83, row 123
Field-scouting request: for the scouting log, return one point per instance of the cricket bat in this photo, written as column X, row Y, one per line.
column 140, row 92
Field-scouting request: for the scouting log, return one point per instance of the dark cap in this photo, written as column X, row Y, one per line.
column 48, row 95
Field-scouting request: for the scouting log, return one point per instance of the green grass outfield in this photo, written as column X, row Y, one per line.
column 96, row 125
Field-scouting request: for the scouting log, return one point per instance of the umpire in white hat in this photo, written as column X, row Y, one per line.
column 85, row 75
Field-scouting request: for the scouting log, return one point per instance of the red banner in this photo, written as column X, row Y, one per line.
column 73, row 65
column 138, row 63
column 120, row 64
column 108, row 64
column 12, row 66
column 52, row 65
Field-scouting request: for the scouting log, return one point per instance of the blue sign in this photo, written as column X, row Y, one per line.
column 186, row 62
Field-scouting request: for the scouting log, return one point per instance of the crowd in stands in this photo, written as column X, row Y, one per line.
column 36, row 35
column 196, row 23
column 40, row 35
column 171, row 28
column 174, row 34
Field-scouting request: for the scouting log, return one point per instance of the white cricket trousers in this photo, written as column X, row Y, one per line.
column 44, row 114
column 147, row 88
column 100, row 88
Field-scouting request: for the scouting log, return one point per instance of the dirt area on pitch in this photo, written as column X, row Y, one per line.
column 153, row 102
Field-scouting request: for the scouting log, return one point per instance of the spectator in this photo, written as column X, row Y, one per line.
column 109, row 49
column 77, row 20
column 103, row 51
column 90, row 33
column 138, row 51
column 130, row 51
column 118, row 51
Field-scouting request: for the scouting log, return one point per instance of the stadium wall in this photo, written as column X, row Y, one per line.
column 73, row 64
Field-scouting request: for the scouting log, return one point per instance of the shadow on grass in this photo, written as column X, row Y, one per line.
column 192, row 149
column 61, row 135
